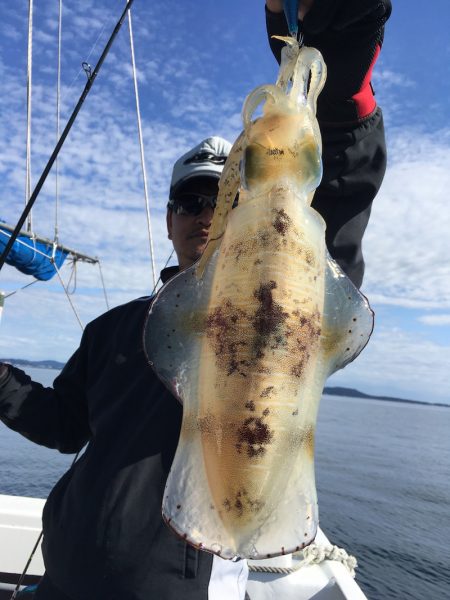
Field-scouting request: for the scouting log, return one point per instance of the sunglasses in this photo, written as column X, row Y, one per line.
column 193, row 204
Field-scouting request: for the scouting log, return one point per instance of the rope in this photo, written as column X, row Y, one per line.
column 312, row 554
column 72, row 282
column 58, row 114
column 28, row 143
column 141, row 146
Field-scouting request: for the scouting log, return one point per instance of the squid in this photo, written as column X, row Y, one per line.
column 246, row 337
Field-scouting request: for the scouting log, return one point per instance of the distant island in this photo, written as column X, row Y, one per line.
column 35, row 364
column 351, row 393
column 329, row 391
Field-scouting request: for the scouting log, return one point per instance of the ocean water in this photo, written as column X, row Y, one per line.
column 383, row 478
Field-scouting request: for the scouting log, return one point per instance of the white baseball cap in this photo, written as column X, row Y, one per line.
column 205, row 160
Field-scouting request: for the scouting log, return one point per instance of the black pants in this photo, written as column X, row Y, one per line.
column 354, row 163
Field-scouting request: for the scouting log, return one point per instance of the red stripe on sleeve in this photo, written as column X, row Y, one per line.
column 364, row 101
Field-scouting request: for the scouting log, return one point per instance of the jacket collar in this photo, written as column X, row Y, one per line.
column 168, row 273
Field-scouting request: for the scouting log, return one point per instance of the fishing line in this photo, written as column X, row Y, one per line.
column 159, row 278
column 35, row 547
column 91, row 51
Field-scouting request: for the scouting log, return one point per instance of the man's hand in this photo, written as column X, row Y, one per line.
column 276, row 6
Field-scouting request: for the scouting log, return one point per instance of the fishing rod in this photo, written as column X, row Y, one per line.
column 91, row 75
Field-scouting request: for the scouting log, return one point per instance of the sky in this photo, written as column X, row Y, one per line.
column 197, row 60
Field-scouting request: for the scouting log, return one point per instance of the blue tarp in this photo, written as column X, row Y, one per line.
column 25, row 255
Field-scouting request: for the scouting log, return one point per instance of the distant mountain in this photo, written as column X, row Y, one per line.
column 351, row 393
column 35, row 364
column 329, row 391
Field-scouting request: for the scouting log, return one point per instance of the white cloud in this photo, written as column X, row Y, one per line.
column 406, row 244
column 435, row 320
column 387, row 78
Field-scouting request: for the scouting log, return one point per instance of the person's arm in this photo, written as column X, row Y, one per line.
column 276, row 6
column 54, row 417
column 349, row 34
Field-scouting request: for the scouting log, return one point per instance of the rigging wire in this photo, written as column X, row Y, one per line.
column 29, row 91
column 103, row 283
column 58, row 115
column 20, row 289
column 72, row 305
column 141, row 146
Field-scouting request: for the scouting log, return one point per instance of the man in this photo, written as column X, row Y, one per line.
column 104, row 538
column 194, row 190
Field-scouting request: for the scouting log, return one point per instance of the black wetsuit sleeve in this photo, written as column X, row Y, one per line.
column 349, row 34
column 56, row 417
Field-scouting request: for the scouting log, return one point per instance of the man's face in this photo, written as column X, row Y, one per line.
column 189, row 233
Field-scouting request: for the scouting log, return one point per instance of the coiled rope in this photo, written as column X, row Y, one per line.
column 313, row 554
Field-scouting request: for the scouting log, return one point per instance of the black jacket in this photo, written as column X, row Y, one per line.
column 99, row 522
